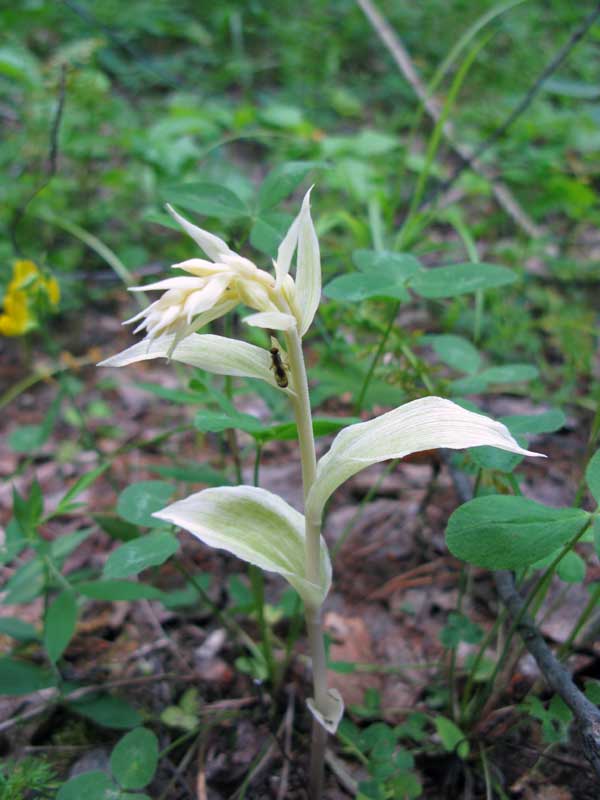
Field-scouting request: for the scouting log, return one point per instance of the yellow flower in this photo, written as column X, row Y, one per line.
column 23, row 273
column 16, row 319
column 52, row 289
column 28, row 296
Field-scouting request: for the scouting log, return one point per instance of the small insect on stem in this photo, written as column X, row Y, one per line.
column 281, row 378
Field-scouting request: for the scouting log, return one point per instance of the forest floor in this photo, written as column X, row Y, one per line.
column 394, row 586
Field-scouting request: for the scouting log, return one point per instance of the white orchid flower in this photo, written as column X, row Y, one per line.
column 212, row 288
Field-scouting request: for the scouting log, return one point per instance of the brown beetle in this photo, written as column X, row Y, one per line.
column 281, row 378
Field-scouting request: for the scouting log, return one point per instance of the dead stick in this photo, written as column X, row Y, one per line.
column 587, row 715
column 550, row 68
column 403, row 61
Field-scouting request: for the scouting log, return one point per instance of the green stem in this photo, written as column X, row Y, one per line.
column 303, row 416
column 375, row 359
column 257, row 581
column 256, row 472
column 581, row 622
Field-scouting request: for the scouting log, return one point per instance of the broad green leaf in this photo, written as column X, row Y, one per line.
column 460, row 279
column 14, row 542
column 108, row 711
column 509, row 373
column 455, row 351
column 179, row 396
column 20, row 677
column 138, row 501
column 423, row 424
column 27, row 438
column 459, row 628
column 59, row 625
column 116, row 527
column 216, row 421
column 504, row 532
column 134, row 758
column 571, row 568
column 280, row 115
column 453, row 739
column 256, row 526
column 366, row 143
column 570, row 88
column 399, row 266
column 360, row 286
column 25, row 584
column 546, row 422
column 217, row 354
column 492, row 458
column 282, row 181
column 118, row 590
column 192, row 473
column 208, row 199
column 64, row 545
column 592, row 475
column 288, row 431
column 133, row 557
column 18, row 629
column 17, row 63
column 94, row 785
column 473, row 384
column 29, row 580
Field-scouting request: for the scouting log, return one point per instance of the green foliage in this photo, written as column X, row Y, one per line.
column 389, row 764
column 231, row 151
column 134, row 758
column 500, row 532
column 133, row 763
column 134, row 557
column 138, row 501
column 30, row 777
column 460, row 279
column 59, row 624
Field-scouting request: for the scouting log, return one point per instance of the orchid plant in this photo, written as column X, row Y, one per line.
column 252, row 523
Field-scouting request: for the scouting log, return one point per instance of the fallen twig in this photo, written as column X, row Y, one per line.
column 501, row 192
column 526, row 100
column 54, row 697
column 587, row 715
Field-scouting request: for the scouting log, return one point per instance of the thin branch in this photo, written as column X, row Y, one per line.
column 54, row 696
column 52, row 159
column 403, row 61
column 587, row 715
column 526, row 100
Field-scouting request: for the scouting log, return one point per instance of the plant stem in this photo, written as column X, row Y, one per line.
column 375, row 359
column 302, row 412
